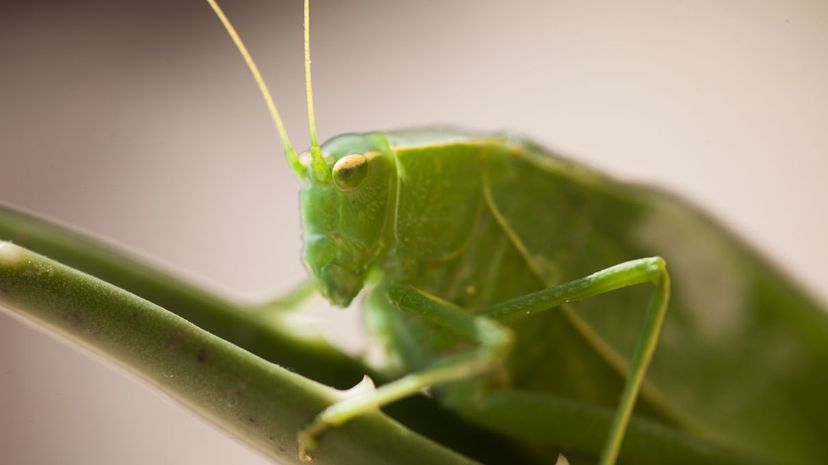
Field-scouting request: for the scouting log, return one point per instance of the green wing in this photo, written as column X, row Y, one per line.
column 429, row 222
column 744, row 352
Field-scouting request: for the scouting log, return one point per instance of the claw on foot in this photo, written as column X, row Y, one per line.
column 334, row 415
column 303, row 453
column 307, row 438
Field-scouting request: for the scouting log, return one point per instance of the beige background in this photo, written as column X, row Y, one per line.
column 137, row 121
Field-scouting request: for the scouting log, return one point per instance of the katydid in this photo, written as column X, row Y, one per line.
column 694, row 249
column 506, row 280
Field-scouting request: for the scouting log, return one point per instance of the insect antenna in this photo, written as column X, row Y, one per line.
column 290, row 152
column 320, row 168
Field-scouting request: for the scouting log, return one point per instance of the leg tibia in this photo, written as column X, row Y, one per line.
column 646, row 270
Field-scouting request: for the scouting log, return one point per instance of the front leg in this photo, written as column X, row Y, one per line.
column 493, row 339
column 290, row 301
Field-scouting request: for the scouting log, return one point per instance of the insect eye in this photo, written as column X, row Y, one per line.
column 349, row 171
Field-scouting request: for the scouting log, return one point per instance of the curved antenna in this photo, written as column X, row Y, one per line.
column 320, row 168
column 290, row 152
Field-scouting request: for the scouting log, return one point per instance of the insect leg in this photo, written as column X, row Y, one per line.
column 646, row 270
column 494, row 342
column 289, row 301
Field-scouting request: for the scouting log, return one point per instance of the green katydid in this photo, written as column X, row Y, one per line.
column 626, row 316
column 473, row 248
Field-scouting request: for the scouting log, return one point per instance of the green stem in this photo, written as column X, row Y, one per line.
column 309, row 357
column 248, row 396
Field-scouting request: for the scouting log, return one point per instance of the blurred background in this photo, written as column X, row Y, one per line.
column 138, row 122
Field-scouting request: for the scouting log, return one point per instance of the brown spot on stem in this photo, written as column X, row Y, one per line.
column 176, row 340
